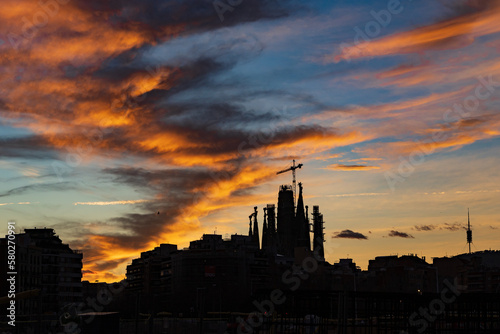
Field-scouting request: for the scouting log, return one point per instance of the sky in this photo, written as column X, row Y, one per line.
column 126, row 124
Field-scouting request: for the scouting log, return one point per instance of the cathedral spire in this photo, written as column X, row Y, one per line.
column 250, row 225
column 265, row 233
column 303, row 237
column 255, row 235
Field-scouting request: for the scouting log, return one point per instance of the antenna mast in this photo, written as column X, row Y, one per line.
column 469, row 232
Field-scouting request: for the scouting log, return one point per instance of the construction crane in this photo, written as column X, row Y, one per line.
column 292, row 168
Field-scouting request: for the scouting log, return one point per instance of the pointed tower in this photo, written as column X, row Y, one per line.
column 469, row 232
column 303, row 238
column 307, row 219
column 265, row 233
column 271, row 228
column 318, row 232
column 250, row 225
column 255, row 235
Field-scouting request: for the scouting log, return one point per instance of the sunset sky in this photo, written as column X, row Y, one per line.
column 113, row 111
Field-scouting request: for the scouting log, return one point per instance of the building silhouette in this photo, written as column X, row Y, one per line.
column 216, row 275
column 255, row 233
column 222, row 273
column 286, row 229
column 271, row 235
column 318, row 242
column 213, row 271
column 303, row 229
column 403, row 274
column 293, row 228
column 477, row 272
column 48, row 270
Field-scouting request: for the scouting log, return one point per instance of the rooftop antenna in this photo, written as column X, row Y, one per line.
column 469, row 232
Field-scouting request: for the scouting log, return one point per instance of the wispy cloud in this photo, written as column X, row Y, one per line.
column 456, row 32
column 18, row 203
column 360, row 194
column 113, row 202
column 424, row 227
column 440, row 227
column 476, row 191
column 58, row 186
column 352, row 167
column 452, row 227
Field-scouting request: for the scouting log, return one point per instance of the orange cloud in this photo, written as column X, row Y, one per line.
column 436, row 140
column 106, row 257
column 439, row 73
column 452, row 33
column 352, row 167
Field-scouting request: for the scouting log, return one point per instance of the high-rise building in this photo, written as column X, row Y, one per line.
column 49, row 269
